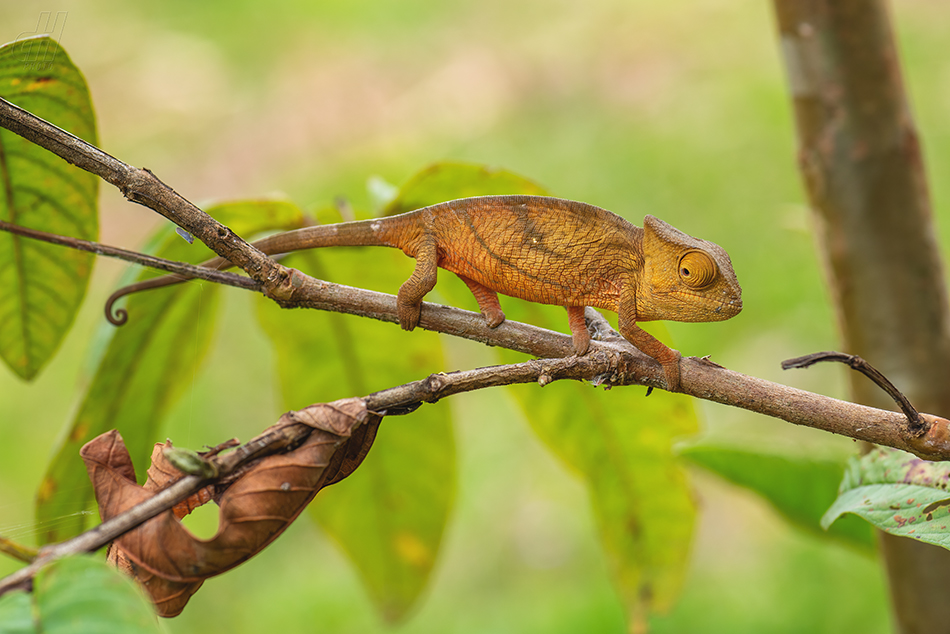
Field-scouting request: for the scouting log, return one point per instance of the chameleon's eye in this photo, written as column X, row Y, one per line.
column 697, row 269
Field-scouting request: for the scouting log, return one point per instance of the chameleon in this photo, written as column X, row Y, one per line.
column 541, row 249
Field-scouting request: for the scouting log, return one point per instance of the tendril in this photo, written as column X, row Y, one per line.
column 120, row 316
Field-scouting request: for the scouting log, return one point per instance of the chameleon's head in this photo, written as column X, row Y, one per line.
column 684, row 278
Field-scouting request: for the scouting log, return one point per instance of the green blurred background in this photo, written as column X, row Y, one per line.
column 674, row 109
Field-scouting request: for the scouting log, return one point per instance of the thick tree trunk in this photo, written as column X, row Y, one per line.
column 862, row 166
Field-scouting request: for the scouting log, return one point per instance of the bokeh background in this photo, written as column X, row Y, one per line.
column 675, row 109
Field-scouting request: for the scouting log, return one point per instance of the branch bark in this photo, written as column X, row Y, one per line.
column 610, row 363
column 861, row 161
column 142, row 187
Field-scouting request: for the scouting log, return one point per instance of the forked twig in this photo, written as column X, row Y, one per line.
column 915, row 422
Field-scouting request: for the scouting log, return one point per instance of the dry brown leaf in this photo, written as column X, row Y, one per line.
column 256, row 506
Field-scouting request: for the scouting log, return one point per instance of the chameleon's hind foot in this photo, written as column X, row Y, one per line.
column 579, row 332
column 409, row 315
column 487, row 302
column 422, row 280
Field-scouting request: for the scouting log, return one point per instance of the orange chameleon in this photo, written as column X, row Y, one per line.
column 544, row 250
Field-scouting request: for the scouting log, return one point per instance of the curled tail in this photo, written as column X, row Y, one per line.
column 346, row 234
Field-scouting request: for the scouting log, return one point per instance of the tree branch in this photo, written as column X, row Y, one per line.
column 142, row 187
column 914, row 421
column 612, row 363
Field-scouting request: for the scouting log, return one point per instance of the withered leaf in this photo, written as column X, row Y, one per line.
column 255, row 507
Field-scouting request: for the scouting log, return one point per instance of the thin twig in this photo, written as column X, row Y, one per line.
column 401, row 399
column 915, row 423
column 17, row 550
column 172, row 266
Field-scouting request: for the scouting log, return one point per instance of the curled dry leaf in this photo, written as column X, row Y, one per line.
column 257, row 503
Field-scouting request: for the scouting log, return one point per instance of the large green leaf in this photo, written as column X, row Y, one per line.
column 618, row 441
column 78, row 595
column 898, row 493
column 145, row 367
column 801, row 489
column 447, row 181
column 390, row 514
column 16, row 614
column 43, row 285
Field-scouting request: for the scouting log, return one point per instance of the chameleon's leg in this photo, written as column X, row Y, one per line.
column 422, row 280
column 579, row 332
column 650, row 345
column 487, row 301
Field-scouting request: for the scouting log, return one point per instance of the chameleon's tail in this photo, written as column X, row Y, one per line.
column 353, row 234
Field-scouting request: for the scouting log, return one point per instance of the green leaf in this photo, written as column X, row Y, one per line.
column 898, row 493
column 447, row 181
column 800, row 489
column 78, row 595
column 16, row 614
column 81, row 594
column 389, row 516
column 619, row 442
column 145, row 367
column 43, row 284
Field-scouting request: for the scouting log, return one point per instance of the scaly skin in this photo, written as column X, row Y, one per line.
column 544, row 250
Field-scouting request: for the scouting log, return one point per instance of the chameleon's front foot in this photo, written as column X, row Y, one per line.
column 671, row 368
column 667, row 357
column 493, row 318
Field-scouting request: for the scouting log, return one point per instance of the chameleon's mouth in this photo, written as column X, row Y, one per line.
column 732, row 307
column 709, row 308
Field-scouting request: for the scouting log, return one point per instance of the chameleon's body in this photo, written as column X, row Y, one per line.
column 549, row 251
